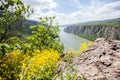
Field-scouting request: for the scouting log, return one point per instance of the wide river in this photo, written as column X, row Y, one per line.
column 71, row 41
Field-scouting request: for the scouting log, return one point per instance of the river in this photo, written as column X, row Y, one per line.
column 71, row 41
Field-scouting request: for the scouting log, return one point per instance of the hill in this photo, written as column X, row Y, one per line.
column 26, row 29
column 109, row 29
column 101, row 21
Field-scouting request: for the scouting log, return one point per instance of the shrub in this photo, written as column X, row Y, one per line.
column 69, row 56
column 10, row 64
column 45, row 36
column 39, row 65
column 84, row 46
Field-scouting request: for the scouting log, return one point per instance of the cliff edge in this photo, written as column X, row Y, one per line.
column 101, row 61
column 92, row 32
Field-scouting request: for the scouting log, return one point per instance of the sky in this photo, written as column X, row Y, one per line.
column 74, row 11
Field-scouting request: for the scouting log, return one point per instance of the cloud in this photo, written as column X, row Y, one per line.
column 39, row 5
column 93, row 10
column 110, row 7
column 96, row 10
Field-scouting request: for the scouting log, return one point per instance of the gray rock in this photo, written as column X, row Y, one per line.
column 100, row 31
column 101, row 61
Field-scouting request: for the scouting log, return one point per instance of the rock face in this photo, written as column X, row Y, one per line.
column 95, row 31
column 101, row 61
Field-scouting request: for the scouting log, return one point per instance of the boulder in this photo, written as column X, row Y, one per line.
column 101, row 61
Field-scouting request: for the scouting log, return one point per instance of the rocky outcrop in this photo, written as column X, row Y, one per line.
column 92, row 32
column 101, row 61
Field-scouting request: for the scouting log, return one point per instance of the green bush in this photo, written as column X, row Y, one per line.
column 45, row 36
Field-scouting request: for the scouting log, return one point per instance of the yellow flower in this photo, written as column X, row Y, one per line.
column 41, row 62
column 26, row 67
column 84, row 46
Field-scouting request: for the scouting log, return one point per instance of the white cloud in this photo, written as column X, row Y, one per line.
column 110, row 7
column 96, row 10
column 39, row 5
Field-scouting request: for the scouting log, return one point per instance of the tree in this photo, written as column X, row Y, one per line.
column 45, row 36
column 12, row 16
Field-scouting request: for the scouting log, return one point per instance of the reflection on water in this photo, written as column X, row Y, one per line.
column 70, row 40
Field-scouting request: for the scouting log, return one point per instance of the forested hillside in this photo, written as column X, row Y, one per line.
column 26, row 29
column 109, row 29
column 101, row 21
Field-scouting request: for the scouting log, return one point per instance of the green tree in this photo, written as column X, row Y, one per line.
column 12, row 17
column 45, row 36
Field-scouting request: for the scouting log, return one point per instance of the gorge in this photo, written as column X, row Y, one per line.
column 109, row 29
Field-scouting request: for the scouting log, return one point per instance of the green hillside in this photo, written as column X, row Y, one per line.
column 26, row 29
column 101, row 21
column 96, row 29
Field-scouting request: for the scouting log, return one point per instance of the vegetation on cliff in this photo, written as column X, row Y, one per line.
column 107, row 29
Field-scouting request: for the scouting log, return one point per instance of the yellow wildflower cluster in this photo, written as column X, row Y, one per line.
column 70, row 55
column 84, row 46
column 10, row 64
column 39, row 65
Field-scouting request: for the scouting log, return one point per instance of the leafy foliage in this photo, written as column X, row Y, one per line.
column 88, row 36
column 69, row 56
column 45, row 36
column 69, row 74
column 12, row 16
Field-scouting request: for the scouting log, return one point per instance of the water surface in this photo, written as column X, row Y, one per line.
column 71, row 41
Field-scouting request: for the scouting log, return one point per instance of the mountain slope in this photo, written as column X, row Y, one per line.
column 109, row 29
column 26, row 29
column 100, row 21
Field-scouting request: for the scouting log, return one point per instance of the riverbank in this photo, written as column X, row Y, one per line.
column 93, row 31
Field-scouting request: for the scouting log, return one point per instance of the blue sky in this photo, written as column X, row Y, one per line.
column 74, row 11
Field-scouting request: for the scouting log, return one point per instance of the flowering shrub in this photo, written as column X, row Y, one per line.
column 39, row 65
column 10, row 64
column 84, row 46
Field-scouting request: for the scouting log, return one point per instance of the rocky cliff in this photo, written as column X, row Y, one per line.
column 92, row 32
column 101, row 61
